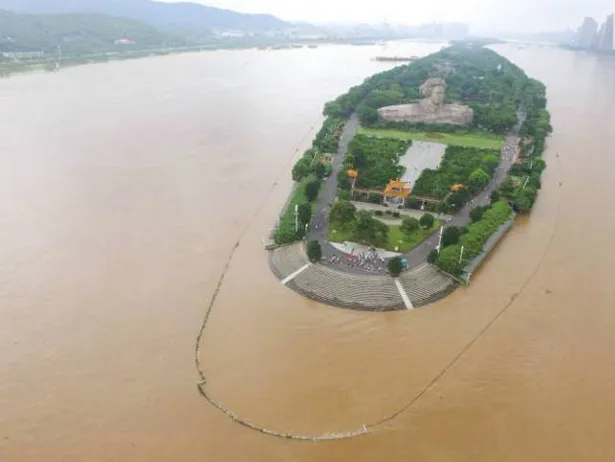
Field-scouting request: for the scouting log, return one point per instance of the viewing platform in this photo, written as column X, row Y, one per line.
column 335, row 286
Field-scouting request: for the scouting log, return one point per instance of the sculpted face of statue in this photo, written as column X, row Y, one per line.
column 434, row 91
column 437, row 96
column 431, row 109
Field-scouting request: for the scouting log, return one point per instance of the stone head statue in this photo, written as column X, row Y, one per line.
column 434, row 90
column 431, row 109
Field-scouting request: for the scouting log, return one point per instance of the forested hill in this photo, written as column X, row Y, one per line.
column 475, row 76
column 164, row 15
column 78, row 33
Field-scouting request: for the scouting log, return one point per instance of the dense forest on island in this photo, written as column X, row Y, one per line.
column 477, row 77
column 496, row 89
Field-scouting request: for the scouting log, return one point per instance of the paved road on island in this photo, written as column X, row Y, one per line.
column 320, row 220
column 420, row 253
column 319, row 226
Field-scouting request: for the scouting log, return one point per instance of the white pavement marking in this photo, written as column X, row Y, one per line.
column 287, row 279
column 403, row 294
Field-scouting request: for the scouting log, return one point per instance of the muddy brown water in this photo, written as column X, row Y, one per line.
column 123, row 188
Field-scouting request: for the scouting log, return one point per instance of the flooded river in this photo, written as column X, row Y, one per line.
column 123, row 189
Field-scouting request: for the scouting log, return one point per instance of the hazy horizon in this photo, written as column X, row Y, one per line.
column 482, row 15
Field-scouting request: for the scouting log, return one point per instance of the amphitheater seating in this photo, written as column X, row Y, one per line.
column 285, row 260
column 425, row 284
column 348, row 290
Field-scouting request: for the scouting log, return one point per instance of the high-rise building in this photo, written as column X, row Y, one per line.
column 605, row 35
column 587, row 35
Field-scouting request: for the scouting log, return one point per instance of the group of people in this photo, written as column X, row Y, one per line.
column 370, row 261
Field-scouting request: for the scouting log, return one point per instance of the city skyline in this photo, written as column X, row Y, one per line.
column 482, row 15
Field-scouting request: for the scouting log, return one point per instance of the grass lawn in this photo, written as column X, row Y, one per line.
column 408, row 242
column 471, row 140
column 338, row 234
column 395, row 235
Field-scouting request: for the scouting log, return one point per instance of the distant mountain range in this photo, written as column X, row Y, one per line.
column 78, row 34
column 171, row 16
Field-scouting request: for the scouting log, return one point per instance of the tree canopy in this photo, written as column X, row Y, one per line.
column 342, row 212
column 478, row 77
column 78, row 33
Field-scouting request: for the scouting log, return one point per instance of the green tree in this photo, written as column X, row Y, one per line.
column 305, row 213
column 525, row 199
column 433, row 256
column 301, row 169
column 314, row 251
column 477, row 213
column 395, row 266
column 342, row 212
column 495, row 195
column 382, row 229
column 451, row 235
column 478, row 179
column 459, row 198
column 311, row 190
column 409, row 225
column 490, row 162
column 427, row 221
column 368, row 115
column 365, row 228
column 448, row 260
column 320, row 170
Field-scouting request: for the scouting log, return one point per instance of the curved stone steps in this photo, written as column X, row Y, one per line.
column 285, row 260
column 347, row 290
column 425, row 284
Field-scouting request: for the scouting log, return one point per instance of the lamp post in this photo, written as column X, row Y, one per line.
column 461, row 255
column 296, row 218
column 440, row 239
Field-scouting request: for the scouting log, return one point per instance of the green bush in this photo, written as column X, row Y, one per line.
column 395, row 266
column 474, row 239
column 342, row 212
column 314, row 251
column 285, row 232
column 376, row 159
column 409, row 225
column 301, row 169
column 311, row 190
column 433, row 256
column 477, row 213
column 451, row 235
column 427, row 221
column 304, row 213
column 460, row 165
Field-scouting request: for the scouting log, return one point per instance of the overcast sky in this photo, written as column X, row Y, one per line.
column 482, row 15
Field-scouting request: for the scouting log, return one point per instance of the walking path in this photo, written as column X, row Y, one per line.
column 418, row 255
column 360, row 281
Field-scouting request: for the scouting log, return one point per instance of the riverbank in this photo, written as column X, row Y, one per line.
column 52, row 63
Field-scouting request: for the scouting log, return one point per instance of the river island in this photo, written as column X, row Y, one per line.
column 414, row 177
